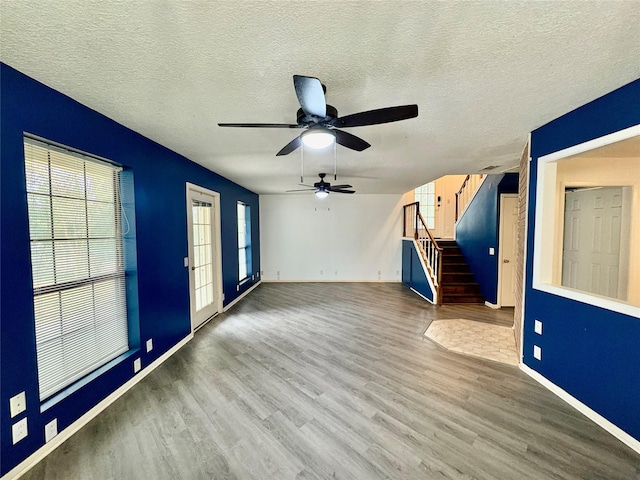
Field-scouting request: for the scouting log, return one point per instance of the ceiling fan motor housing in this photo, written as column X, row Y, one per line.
column 304, row 119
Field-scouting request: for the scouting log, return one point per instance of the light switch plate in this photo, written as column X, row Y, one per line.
column 50, row 430
column 149, row 345
column 537, row 352
column 18, row 404
column 492, row 251
column 537, row 326
column 185, row 261
column 19, row 430
column 137, row 365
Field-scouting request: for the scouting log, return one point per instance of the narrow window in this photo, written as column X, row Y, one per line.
column 244, row 241
column 425, row 196
column 77, row 263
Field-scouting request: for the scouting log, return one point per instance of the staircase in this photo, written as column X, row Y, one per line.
column 458, row 284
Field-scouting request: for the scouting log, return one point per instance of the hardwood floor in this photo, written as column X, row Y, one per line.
column 336, row 381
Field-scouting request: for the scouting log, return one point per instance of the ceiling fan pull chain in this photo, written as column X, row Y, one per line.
column 335, row 161
column 302, row 164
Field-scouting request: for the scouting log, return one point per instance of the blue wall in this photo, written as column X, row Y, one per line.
column 479, row 229
column 590, row 352
column 159, row 177
column 413, row 274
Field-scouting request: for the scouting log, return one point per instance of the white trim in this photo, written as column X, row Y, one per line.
column 491, row 305
column 421, row 295
column 591, row 144
column 545, row 208
column 58, row 440
column 592, row 415
column 466, row 207
column 320, row 280
column 217, row 245
column 240, row 297
column 434, row 292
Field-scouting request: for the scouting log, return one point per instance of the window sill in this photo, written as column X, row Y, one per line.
column 74, row 387
column 590, row 299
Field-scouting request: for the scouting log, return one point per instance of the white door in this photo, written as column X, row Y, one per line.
column 595, row 257
column 508, row 243
column 205, row 283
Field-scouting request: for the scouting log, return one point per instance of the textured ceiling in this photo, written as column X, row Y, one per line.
column 483, row 74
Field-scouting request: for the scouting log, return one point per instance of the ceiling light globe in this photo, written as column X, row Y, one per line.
column 318, row 138
column 322, row 194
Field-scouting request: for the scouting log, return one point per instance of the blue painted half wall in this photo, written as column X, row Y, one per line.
column 158, row 178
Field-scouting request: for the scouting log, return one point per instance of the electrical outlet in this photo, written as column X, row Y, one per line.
column 253, row 277
column 19, row 430
column 537, row 352
column 149, row 345
column 50, row 430
column 18, row 404
column 538, row 327
column 137, row 365
column 237, row 288
column 492, row 251
column 185, row 261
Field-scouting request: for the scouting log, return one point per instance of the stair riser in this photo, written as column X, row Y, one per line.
column 457, row 278
column 455, row 268
column 471, row 290
column 464, row 299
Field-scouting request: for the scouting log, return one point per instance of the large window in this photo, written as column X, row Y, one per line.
column 77, row 263
column 587, row 202
column 426, row 197
column 244, row 241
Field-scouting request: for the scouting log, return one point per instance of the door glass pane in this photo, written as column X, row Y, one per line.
column 202, row 253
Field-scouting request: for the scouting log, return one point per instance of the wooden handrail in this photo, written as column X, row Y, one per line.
column 466, row 192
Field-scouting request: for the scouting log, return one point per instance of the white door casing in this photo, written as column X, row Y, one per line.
column 508, row 244
column 205, row 271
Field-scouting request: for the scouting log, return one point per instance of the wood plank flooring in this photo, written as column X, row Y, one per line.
column 336, row 381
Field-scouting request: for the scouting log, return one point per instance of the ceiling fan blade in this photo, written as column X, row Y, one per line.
column 339, row 190
column 290, row 147
column 261, row 125
column 300, row 190
column 310, row 95
column 374, row 117
column 350, row 141
column 341, row 186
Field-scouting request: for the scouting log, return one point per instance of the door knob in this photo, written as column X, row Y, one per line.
column 505, row 261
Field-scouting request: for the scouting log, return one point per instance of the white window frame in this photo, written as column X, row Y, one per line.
column 247, row 242
column 545, row 225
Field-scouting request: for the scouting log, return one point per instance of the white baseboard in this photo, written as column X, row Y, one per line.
column 421, row 295
column 592, row 415
column 307, row 280
column 244, row 294
column 491, row 305
column 58, row 440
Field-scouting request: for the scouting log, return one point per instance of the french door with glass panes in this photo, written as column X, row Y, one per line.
column 205, row 282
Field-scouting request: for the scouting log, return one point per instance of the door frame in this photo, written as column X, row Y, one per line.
column 216, row 238
column 501, row 239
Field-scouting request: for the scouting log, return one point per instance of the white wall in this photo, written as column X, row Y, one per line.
column 341, row 238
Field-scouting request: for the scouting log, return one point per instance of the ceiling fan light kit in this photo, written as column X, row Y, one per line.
column 318, row 138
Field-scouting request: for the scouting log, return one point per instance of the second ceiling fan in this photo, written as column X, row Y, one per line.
column 321, row 123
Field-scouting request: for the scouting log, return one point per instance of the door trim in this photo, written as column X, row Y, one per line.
column 217, row 240
column 500, row 242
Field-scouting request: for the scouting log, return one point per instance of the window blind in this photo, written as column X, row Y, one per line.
column 77, row 264
column 242, row 241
